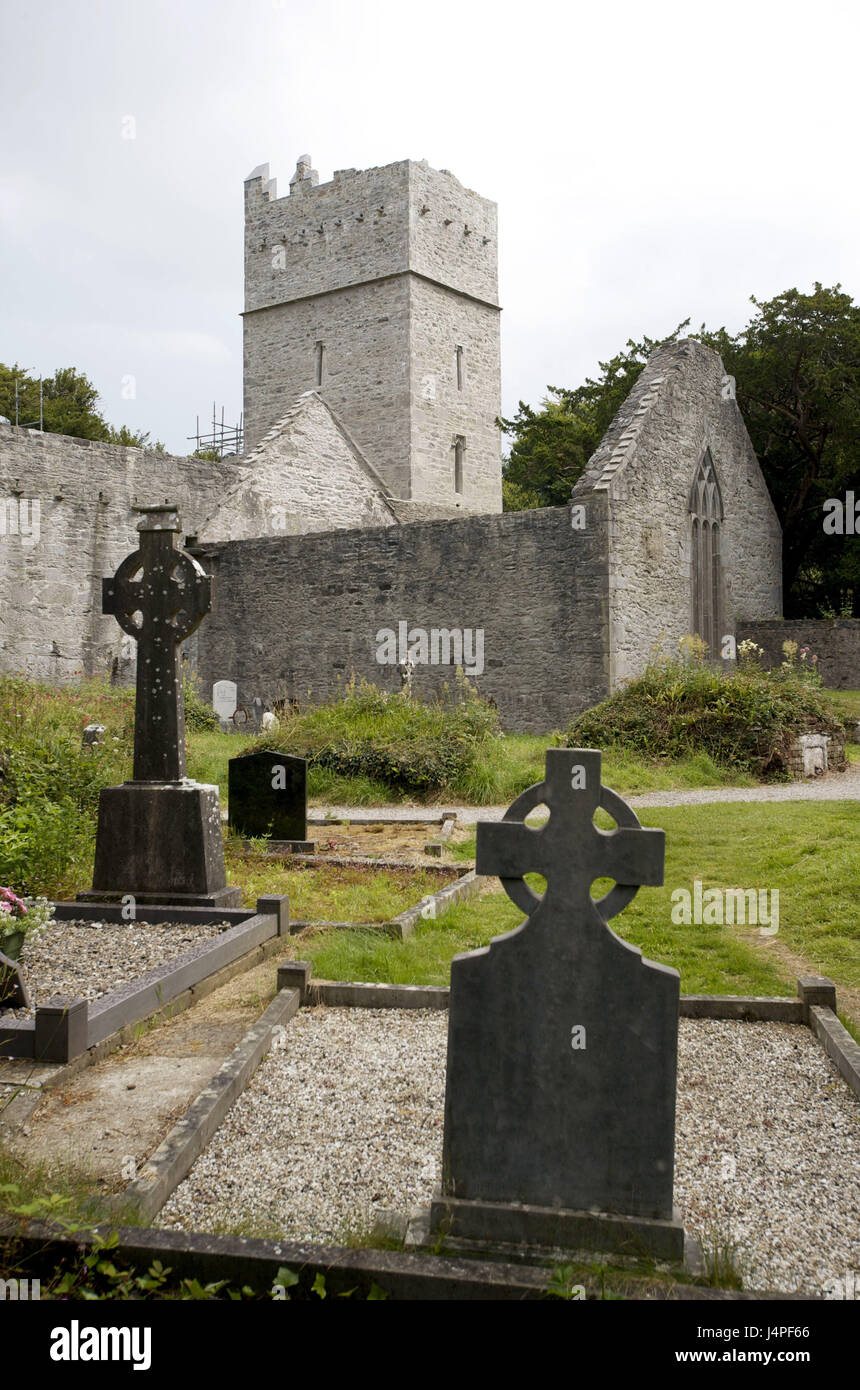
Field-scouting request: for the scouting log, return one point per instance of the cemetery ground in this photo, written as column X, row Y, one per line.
column 385, row 1068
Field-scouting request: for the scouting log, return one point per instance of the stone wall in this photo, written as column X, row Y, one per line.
column 299, row 614
column 390, row 270
column 308, row 476
column 835, row 641
column 681, row 405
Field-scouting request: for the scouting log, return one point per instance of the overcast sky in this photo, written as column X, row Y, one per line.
column 651, row 161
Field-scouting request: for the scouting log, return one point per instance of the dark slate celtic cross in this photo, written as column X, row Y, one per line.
column 159, row 595
column 562, row 1039
column 570, row 852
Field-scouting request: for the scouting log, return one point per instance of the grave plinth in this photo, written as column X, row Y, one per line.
column 562, row 1041
column 268, row 799
column 159, row 835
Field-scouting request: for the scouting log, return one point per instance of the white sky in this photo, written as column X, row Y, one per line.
column 650, row 161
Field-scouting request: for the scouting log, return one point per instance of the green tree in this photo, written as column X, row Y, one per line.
column 797, row 368
column 69, row 406
column 551, row 446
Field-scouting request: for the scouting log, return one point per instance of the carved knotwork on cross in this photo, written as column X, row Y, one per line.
column 570, row 851
column 159, row 595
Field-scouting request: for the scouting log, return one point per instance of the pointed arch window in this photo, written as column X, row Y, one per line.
column 706, row 511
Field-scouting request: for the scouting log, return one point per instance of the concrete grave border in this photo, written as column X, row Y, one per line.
column 402, row 1275
column 406, row 1274
column 66, row 1029
column 174, row 1157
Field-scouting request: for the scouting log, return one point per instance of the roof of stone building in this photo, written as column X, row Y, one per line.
column 619, row 441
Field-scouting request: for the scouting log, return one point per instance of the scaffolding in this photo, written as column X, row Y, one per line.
column 30, row 424
column 224, row 440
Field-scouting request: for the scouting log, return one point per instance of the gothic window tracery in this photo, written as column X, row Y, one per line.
column 706, row 511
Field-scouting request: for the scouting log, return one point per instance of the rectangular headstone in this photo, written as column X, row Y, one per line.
column 562, row 1039
column 268, row 796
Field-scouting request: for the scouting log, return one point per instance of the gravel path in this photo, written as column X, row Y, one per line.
column 346, row 1121
column 89, row 959
column 842, row 786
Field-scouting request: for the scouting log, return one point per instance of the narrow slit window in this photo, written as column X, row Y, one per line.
column 459, row 451
column 459, row 368
column 320, row 363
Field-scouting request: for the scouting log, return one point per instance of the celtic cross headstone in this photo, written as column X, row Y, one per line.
column 562, row 1039
column 159, row 595
column 159, row 835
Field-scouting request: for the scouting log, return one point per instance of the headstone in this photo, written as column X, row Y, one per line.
column 159, row 836
column 270, row 721
column 268, row 798
column 562, row 1039
column 224, row 699
column 14, row 993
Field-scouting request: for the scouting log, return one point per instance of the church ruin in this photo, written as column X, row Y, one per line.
column 369, row 495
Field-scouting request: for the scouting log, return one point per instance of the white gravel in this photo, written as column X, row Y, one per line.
column 346, row 1121
column 89, row 959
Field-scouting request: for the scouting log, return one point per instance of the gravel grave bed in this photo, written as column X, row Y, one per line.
column 89, row 959
column 345, row 1122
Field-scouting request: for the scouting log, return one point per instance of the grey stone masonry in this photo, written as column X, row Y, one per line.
column 73, row 504
column 681, row 407
column 380, row 290
column 295, row 616
column 835, row 641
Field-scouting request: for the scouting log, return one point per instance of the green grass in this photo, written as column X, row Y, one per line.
column 333, row 893
column 806, row 851
column 847, row 702
column 511, row 763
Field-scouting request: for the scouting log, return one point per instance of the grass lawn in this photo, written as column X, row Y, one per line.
column 806, row 851
column 847, row 702
column 330, row 894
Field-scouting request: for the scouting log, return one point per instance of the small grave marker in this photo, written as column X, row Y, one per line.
column 562, row 1041
column 269, row 800
column 224, row 701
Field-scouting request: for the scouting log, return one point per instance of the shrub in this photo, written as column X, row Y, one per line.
column 746, row 719
column 199, row 714
column 417, row 748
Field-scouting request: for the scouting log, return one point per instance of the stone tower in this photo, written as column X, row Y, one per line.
column 380, row 290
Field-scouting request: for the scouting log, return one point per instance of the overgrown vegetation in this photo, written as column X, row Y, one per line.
column 746, row 719
column 49, row 787
column 413, row 747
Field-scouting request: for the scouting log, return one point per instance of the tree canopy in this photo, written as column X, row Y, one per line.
column 797, row 369
column 69, row 406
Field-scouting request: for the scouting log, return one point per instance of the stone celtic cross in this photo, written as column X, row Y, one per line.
column 159, row 595
column 570, row 852
column 562, row 1039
